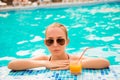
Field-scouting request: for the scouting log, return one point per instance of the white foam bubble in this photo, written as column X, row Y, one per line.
column 117, row 18
column 58, row 15
column 56, row 18
column 94, row 37
column 108, row 16
column 38, row 18
column 70, row 49
column 117, row 46
column 23, row 52
column 109, row 38
column 7, row 58
column 110, row 10
column 4, row 15
column 97, row 24
column 104, row 10
column 69, row 10
column 83, row 43
column 93, row 11
column 118, row 25
column 34, row 24
column 103, row 32
column 77, row 26
column 31, row 35
column 83, row 10
column 36, row 38
column 48, row 16
column 38, row 52
column 21, row 42
column 116, row 34
column 118, row 50
column 62, row 17
column 117, row 58
column 98, row 52
column 89, row 29
column 73, row 34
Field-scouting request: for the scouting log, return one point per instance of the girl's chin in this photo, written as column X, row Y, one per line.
column 56, row 52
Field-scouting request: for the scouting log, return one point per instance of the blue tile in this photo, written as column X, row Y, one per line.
column 59, row 79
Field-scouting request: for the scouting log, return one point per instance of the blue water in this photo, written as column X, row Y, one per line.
column 98, row 26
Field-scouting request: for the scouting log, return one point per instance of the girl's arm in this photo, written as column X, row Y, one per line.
column 96, row 63
column 22, row 64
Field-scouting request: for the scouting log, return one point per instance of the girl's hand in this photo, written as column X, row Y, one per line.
column 57, row 64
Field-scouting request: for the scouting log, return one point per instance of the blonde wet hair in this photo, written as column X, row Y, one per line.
column 59, row 26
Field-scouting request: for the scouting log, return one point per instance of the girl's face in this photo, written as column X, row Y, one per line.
column 56, row 40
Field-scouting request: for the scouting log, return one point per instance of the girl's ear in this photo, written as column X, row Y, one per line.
column 45, row 42
column 67, row 41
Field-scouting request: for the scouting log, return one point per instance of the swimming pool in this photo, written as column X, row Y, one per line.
column 98, row 26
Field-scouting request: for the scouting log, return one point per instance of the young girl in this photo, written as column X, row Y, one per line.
column 56, row 41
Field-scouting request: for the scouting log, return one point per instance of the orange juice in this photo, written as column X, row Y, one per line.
column 75, row 68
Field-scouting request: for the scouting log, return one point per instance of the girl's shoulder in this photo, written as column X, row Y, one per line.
column 73, row 57
column 76, row 57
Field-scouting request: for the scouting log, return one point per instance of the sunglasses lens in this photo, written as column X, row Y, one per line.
column 49, row 42
column 61, row 41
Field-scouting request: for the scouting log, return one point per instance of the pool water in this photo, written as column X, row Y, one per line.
column 98, row 26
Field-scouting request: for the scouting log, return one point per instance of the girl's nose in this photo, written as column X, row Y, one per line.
column 55, row 43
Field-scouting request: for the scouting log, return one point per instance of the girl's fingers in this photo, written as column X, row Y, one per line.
column 60, row 68
column 60, row 65
column 63, row 61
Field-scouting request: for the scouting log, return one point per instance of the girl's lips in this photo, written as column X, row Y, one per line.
column 56, row 50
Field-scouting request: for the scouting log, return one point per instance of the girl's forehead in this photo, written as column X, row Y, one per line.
column 55, row 31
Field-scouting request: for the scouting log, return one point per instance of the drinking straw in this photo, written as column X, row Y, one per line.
column 83, row 54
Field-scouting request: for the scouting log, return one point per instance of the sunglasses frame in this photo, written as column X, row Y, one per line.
column 60, row 41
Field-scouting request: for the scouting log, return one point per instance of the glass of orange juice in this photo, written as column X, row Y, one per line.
column 75, row 67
